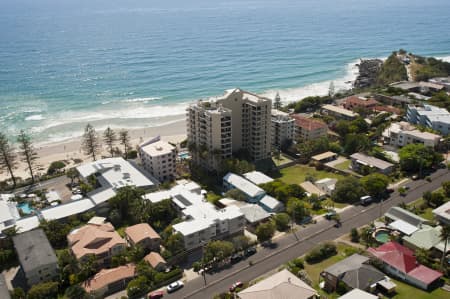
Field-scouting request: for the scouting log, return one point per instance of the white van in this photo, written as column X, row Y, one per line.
column 364, row 200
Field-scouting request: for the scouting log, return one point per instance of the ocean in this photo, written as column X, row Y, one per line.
column 138, row 63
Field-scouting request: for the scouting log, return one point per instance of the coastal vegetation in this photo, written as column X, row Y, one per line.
column 429, row 67
column 8, row 157
column 91, row 142
column 28, row 152
column 392, row 70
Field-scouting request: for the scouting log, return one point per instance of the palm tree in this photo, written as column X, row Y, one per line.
column 445, row 237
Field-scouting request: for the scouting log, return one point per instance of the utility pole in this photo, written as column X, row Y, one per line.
column 203, row 263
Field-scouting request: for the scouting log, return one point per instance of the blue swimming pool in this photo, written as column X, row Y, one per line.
column 26, row 208
column 184, row 155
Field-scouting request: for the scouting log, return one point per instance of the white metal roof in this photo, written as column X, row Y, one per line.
column 270, row 202
column 358, row 294
column 403, row 227
column 68, row 209
column 257, row 177
column 443, row 211
column 8, row 209
column 242, row 184
column 254, row 213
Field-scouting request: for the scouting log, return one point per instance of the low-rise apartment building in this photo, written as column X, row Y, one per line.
column 309, row 128
column 238, row 120
column 362, row 163
column 339, row 112
column 36, row 256
column 283, row 128
column 8, row 211
column 159, row 159
column 429, row 116
column 357, row 102
column 109, row 281
column 402, row 133
column 96, row 239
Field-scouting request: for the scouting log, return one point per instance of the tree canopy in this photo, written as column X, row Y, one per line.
column 265, row 231
column 415, row 157
column 375, row 184
column 349, row 190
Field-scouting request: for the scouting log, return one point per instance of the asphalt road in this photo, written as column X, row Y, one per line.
column 288, row 247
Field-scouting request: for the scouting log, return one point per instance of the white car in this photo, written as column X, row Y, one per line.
column 175, row 286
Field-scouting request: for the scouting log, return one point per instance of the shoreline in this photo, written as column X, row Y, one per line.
column 71, row 149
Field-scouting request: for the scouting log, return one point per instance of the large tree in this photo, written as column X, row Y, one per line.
column 375, row 184
column 91, row 142
column 46, row 290
column 8, row 157
column 217, row 250
column 416, row 157
column 124, row 138
column 445, row 237
column 110, row 138
column 265, row 231
column 28, row 152
column 349, row 190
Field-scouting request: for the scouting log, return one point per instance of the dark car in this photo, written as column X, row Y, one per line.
column 236, row 285
column 250, row 251
column 236, row 257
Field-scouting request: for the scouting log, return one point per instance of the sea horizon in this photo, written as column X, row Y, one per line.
column 139, row 64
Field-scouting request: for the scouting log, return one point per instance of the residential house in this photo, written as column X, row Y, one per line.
column 156, row 261
column 442, row 213
column 363, row 163
column 283, row 128
column 402, row 133
column 429, row 116
column 358, row 294
column 420, row 87
column 427, row 238
column 363, row 103
column 257, row 177
column 254, row 214
column 109, row 281
column 444, row 81
column 339, row 112
column 354, row 272
column 401, row 100
column 143, row 235
column 327, row 185
column 112, row 174
column 159, row 159
column 282, row 284
column 309, row 128
column 325, row 157
column 398, row 213
column 98, row 240
column 238, row 120
column 36, row 256
column 251, row 191
column 270, row 204
column 400, row 262
column 310, row 189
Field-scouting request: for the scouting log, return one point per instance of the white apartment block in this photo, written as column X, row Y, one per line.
column 203, row 222
column 283, row 128
column 429, row 116
column 220, row 126
column 159, row 159
column 402, row 133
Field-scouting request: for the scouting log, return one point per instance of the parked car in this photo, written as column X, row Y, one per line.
column 236, row 285
column 250, row 251
column 364, row 200
column 175, row 286
column 330, row 214
column 236, row 257
column 156, row 295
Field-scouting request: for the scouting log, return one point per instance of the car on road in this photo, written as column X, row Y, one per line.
column 175, row 286
column 236, row 285
column 156, row 295
column 330, row 214
column 250, row 251
column 236, row 257
column 364, row 200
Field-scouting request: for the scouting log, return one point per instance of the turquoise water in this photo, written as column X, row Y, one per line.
column 137, row 63
column 382, row 236
column 26, row 208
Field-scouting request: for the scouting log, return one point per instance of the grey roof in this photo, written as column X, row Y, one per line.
column 355, row 273
column 371, row 161
column 34, row 250
column 4, row 292
column 254, row 213
column 397, row 213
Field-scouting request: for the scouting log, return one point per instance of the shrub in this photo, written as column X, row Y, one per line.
column 321, row 253
column 354, row 235
column 282, row 221
column 55, row 166
column 132, row 154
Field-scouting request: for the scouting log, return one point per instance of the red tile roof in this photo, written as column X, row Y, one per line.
column 361, row 102
column 140, row 232
column 108, row 276
column 308, row 123
column 403, row 259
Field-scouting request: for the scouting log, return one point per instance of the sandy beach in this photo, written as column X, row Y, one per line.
column 71, row 149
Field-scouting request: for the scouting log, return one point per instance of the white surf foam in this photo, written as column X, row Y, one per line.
column 140, row 100
column 35, row 117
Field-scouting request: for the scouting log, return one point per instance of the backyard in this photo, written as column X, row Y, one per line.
column 298, row 173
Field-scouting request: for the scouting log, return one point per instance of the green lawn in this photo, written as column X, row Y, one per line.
column 427, row 213
column 406, row 291
column 296, row 174
column 343, row 166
